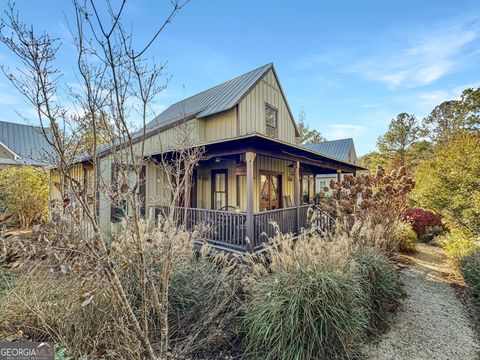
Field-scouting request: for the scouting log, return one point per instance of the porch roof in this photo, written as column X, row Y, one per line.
column 264, row 145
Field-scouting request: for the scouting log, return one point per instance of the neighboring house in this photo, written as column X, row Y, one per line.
column 342, row 149
column 254, row 171
column 22, row 144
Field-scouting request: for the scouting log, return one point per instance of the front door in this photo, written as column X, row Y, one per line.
column 270, row 191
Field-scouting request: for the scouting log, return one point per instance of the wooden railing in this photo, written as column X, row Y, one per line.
column 263, row 222
column 219, row 227
column 323, row 221
column 228, row 228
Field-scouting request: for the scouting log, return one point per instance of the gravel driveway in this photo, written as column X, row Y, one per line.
column 432, row 323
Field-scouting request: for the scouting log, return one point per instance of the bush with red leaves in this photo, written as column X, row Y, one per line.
column 425, row 223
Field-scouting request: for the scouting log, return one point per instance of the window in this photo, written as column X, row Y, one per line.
column 322, row 185
column 308, row 183
column 271, row 121
column 219, row 189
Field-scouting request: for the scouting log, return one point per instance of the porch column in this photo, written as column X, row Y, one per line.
column 296, row 192
column 339, row 175
column 250, row 158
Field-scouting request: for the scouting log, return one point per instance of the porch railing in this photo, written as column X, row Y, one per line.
column 228, row 228
column 219, row 227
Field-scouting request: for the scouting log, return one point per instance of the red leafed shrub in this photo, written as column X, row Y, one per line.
column 423, row 222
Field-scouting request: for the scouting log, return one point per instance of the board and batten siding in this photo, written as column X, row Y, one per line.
column 251, row 109
column 219, row 126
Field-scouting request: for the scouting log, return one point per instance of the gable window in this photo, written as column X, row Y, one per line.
column 219, row 189
column 271, row 121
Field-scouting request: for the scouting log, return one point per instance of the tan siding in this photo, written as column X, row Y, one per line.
column 204, row 184
column 105, row 168
column 168, row 139
column 252, row 109
column 220, row 126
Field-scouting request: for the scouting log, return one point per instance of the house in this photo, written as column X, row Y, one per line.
column 22, row 144
column 342, row 149
column 254, row 171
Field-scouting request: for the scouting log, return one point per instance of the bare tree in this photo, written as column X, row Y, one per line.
column 113, row 77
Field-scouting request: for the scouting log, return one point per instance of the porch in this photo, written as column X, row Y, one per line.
column 246, row 184
column 228, row 229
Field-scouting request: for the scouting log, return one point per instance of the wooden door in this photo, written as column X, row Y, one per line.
column 270, row 191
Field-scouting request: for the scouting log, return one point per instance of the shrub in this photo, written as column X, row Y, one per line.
column 470, row 268
column 48, row 307
column 304, row 314
column 381, row 284
column 319, row 298
column 425, row 223
column 407, row 237
column 205, row 301
column 26, row 206
column 457, row 244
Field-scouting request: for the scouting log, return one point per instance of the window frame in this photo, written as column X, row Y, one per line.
column 214, row 172
column 267, row 126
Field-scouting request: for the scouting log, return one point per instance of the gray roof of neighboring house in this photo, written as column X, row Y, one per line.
column 26, row 141
column 338, row 149
column 212, row 101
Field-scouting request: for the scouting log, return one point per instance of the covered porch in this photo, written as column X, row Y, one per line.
column 246, row 183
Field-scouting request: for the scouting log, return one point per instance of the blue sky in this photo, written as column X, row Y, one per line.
column 350, row 65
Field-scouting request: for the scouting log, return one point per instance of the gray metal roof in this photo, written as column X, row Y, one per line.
column 338, row 149
column 212, row 101
column 26, row 141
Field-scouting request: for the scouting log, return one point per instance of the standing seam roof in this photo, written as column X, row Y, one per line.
column 211, row 101
column 338, row 149
column 26, row 141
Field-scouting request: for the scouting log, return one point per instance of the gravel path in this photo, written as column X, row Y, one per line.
column 432, row 323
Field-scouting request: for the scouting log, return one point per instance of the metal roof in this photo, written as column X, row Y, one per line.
column 26, row 141
column 338, row 149
column 212, row 101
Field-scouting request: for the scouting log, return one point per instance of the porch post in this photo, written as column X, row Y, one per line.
column 339, row 175
column 296, row 193
column 250, row 158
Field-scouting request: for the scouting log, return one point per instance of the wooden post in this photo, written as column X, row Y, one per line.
column 250, row 158
column 296, row 193
column 339, row 175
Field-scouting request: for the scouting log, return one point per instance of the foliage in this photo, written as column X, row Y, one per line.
column 304, row 314
column 407, row 237
column 307, row 135
column 373, row 160
column 470, row 268
column 317, row 299
column 378, row 196
column 402, row 132
column 25, row 193
column 205, row 301
column 449, row 184
column 453, row 116
column 46, row 307
column 425, row 223
column 457, row 244
column 381, row 284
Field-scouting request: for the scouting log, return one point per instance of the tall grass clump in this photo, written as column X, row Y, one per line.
column 305, row 314
column 319, row 297
column 308, row 305
column 48, row 307
column 381, row 283
column 470, row 268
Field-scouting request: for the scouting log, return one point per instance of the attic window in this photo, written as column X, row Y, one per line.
column 271, row 121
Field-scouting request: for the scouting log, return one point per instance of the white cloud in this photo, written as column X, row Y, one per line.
column 430, row 99
column 425, row 57
column 341, row 131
